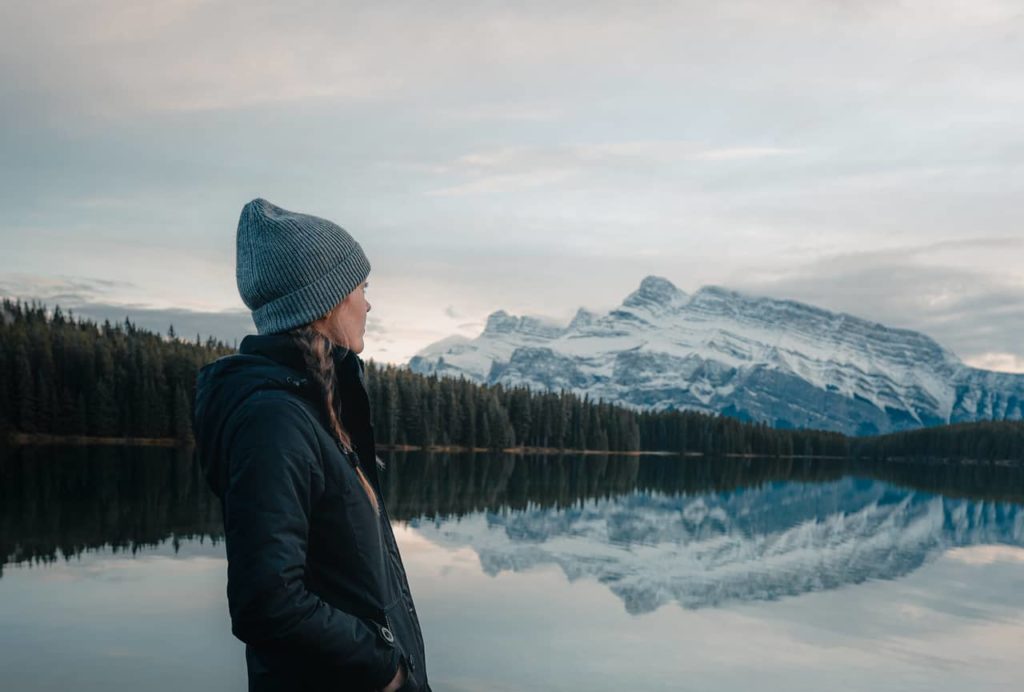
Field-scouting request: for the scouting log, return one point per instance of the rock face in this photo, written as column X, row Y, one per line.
column 779, row 540
column 719, row 351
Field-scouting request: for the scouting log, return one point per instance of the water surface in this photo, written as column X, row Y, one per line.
column 557, row 573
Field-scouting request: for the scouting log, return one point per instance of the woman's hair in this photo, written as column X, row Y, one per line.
column 316, row 350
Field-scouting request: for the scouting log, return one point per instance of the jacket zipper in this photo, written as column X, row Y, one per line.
column 399, row 573
column 403, row 585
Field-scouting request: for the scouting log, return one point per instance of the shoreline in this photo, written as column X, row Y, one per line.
column 25, row 439
column 44, row 439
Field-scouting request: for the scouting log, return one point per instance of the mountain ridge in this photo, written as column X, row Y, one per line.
column 724, row 351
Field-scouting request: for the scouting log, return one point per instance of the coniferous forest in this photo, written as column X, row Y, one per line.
column 63, row 376
column 982, row 441
column 60, row 375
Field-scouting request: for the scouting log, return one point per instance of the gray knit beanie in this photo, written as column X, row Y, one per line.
column 293, row 268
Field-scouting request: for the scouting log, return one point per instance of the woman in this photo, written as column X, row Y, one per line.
column 316, row 587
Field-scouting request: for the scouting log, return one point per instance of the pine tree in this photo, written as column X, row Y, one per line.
column 103, row 418
column 24, row 391
column 182, row 416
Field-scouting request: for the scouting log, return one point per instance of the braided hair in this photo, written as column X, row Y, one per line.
column 316, row 351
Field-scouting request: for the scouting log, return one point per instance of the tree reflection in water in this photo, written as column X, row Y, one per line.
column 59, row 501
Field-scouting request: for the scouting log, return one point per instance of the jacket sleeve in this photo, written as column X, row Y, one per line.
column 274, row 479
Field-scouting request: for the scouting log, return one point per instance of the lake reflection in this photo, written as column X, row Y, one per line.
column 566, row 573
column 781, row 539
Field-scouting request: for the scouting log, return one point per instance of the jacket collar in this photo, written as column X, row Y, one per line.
column 282, row 349
column 350, row 383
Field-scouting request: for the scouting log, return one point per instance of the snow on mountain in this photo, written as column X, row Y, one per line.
column 717, row 350
column 782, row 539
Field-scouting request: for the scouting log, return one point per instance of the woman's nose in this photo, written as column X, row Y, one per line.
column 367, row 306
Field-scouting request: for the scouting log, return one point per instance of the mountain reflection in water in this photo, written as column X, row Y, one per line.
column 781, row 539
column 653, row 530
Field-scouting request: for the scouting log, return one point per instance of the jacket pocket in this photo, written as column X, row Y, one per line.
column 395, row 626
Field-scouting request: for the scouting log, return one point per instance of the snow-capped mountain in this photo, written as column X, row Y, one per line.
column 783, row 539
column 720, row 351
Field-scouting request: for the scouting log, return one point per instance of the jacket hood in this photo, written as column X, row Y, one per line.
column 266, row 361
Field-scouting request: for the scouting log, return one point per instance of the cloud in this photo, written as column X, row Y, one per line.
column 229, row 326
column 88, row 299
column 502, row 111
column 510, row 168
column 376, row 326
column 116, row 59
column 933, row 288
column 66, row 290
column 740, row 153
column 1003, row 362
column 509, row 182
column 602, row 154
column 986, row 554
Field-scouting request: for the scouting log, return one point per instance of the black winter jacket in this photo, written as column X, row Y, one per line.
column 316, row 587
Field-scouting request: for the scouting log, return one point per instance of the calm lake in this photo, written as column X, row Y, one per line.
column 547, row 573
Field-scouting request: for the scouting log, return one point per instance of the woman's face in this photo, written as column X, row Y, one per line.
column 345, row 324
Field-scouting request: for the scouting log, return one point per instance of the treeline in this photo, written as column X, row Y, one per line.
column 65, row 376
column 980, row 441
column 419, row 410
column 717, row 435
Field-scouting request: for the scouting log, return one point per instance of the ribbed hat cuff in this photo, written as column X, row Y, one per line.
column 314, row 300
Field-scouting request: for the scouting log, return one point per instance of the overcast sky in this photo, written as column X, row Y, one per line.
column 534, row 157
